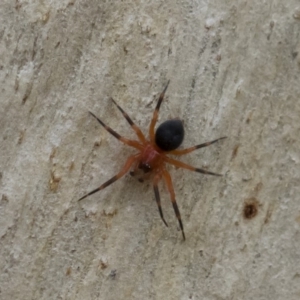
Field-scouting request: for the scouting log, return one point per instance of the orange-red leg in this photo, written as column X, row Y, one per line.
column 182, row 165
column 128, row 142
column 131, row 123
column 188, row 150
column 157, row 197
column 169, row 184
column 123, row 171
column 155, row 113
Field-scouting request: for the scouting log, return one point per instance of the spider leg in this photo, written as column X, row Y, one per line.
column 191, row 149
column 157, row 197
column 131, row 123
column 155, row 113
column 128, row 142
column 169, row 184
column 182, row 165
column 123, row 171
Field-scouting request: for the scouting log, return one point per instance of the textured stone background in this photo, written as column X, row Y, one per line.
column 234, row 68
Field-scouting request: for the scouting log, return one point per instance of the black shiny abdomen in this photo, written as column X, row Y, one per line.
column 169, row 135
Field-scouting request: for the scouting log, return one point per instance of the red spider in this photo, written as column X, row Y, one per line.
column 152, row 154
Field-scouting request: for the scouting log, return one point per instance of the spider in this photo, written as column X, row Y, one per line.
column 152, row 155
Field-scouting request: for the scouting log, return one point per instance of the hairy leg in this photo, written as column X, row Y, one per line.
column 188, row 150
column 131, row 123
column 157, row 197
column 182, row 165
column 155, row 113
column 123, row 171
column 128, row 142
column 168, row 181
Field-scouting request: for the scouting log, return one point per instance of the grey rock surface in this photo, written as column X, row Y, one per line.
column 234, row 70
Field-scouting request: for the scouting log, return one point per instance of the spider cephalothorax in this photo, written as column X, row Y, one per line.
column 152, row 155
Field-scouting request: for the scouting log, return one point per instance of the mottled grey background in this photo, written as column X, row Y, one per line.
column 234, row 68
